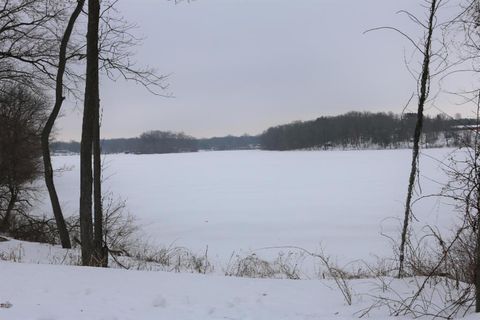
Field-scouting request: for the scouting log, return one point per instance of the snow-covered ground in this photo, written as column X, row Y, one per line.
column 41, row 292
column 83, row 293
column 243, row 201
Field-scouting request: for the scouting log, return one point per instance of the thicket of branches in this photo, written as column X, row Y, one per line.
column 22, row 114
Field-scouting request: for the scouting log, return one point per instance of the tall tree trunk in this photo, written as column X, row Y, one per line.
column 47, row 162
column 88, row 132
column 424, row 91
column 476, row 226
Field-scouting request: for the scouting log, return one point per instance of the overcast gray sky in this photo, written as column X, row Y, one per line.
column 240, row 66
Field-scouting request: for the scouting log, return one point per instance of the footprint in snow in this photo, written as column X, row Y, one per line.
column 159, row 302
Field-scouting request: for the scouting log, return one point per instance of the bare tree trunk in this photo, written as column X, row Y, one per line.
column 47, row 162
column 5, row 225
column 88, row 132
column 477, row 244
column 101, row 255
column 476, row 226
column 424, row 91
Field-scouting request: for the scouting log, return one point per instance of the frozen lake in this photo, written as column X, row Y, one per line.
column 248, row 200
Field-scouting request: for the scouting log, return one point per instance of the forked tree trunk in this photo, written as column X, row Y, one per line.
column 88, row 133
column 424, row 90
column 47, row 130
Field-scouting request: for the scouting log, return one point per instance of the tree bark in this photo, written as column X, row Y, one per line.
column 424, row 91
column 476, row 226
column 101, row 256
column 477, row 247
column 47, row 130
column 5, row 225
column 88, row 132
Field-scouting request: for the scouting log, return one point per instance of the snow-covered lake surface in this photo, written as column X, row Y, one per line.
column 242, row 201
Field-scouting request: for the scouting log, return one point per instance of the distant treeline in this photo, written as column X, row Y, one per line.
column 350, row 130
column 164, row 142
column 244, row 142
column 362, row 130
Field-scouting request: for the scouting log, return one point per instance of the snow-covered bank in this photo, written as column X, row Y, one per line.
column 40, row 292
column 293, row 263
column 31, row 289
column 56, row 292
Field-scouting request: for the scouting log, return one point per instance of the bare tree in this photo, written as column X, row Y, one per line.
column 424, row 89
column 59, row 98
column 109, row 41
column 423, row 92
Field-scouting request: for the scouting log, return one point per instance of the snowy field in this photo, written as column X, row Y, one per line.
column 246, row 201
